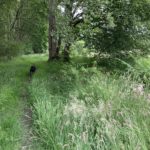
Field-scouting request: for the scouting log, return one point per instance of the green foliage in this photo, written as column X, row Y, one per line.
column 108, row 26
column 24, row 22
column 78, row 49
column 35, row 25
column 142, row 70
column 116, row 25
column 10, row 49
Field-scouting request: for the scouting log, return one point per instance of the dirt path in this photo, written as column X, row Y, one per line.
column 26, row 119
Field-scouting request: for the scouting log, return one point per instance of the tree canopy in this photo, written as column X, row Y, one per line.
column 108, row 26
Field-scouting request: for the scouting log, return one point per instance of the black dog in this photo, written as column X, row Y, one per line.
column 32, row 70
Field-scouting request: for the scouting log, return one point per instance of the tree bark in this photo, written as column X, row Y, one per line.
column 67, row 52
column 58, row 47
column 52, row 31
column 73, row 22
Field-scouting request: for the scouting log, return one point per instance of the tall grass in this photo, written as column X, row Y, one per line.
column 85, row 109
column 13, row 84
column 10, row 108
column 74, row 108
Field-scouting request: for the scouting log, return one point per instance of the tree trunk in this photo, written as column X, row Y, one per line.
column 52, row 31
column 68, row 11
column 66, row 52
column 58, row 47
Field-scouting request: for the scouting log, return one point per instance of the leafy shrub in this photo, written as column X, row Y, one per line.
column 10, row 49
column 78, row 49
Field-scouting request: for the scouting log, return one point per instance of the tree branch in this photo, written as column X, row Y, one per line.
column 16, row 16
column 78, row 21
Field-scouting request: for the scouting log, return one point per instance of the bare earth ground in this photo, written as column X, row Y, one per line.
column 27, row 122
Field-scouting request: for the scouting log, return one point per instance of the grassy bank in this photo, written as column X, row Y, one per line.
column 82, row 108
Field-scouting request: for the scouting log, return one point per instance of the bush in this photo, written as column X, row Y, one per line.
column 78, row 49
column 10, row 49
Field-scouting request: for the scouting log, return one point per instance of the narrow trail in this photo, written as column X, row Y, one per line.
column 26, row 118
